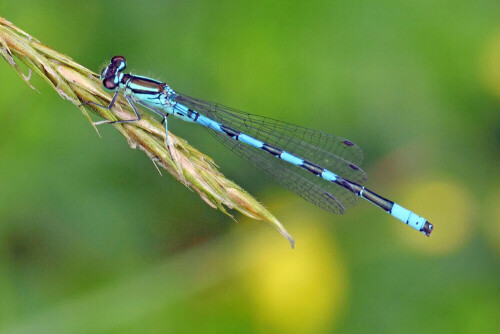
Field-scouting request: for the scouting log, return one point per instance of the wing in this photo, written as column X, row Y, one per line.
column 334, row 153
column 325, row 150
column 320, row 192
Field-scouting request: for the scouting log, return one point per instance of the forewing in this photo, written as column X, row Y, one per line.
column 336, row 154
column 322, row 193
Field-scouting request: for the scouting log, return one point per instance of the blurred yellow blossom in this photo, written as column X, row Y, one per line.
column 301, row 290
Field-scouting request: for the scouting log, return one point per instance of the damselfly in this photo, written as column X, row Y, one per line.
column 319, row 167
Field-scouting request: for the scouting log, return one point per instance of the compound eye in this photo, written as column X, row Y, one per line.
column 110, row 84
column 119, row 62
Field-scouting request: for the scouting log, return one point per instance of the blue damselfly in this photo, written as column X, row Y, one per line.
column 319, row 167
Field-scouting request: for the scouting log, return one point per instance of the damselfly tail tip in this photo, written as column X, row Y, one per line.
column 427, row 229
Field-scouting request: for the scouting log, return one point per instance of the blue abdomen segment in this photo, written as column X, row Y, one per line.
column 329, row 176
column 248, row 140
column 408, row 217
column 291, row 158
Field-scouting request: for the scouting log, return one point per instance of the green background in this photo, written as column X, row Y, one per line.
column 94, row 240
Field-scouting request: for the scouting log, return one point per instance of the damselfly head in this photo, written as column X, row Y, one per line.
column 111, row 74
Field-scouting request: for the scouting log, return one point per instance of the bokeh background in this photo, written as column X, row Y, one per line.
column 94, row 240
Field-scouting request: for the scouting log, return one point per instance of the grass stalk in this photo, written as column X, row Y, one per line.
column 77, row 84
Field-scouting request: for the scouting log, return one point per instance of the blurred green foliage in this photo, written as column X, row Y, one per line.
column 93, row 240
